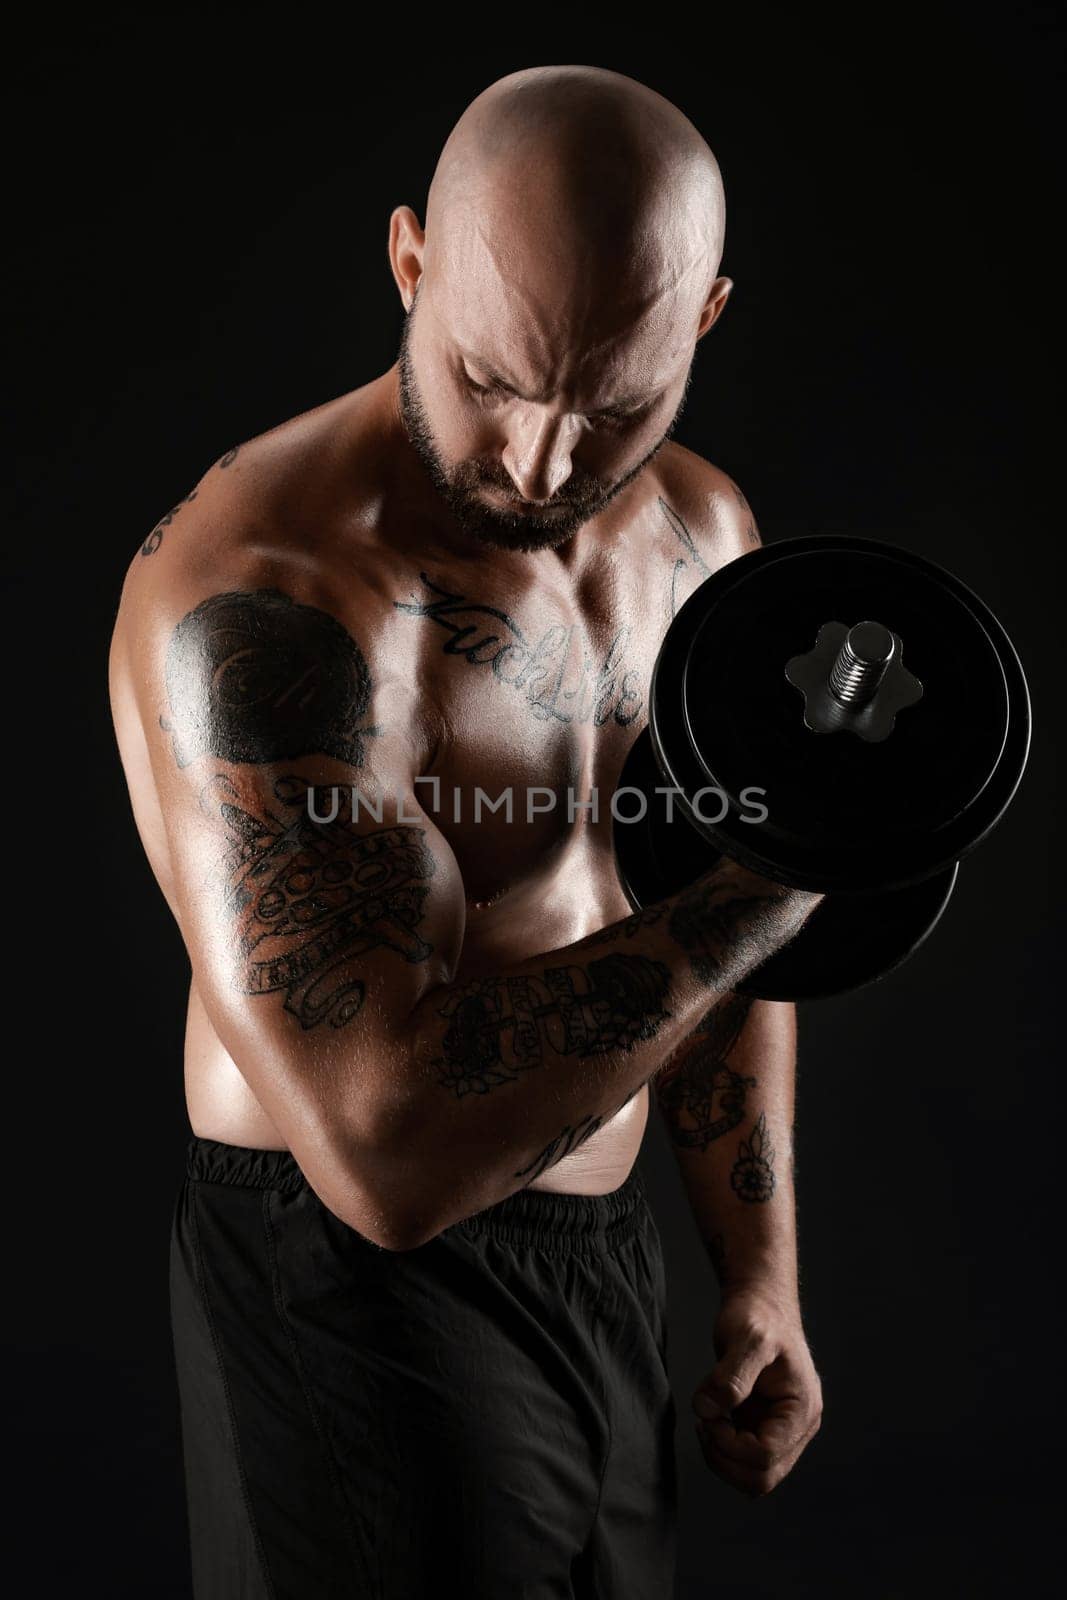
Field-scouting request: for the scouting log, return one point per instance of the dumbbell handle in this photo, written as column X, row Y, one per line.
column 849, row 940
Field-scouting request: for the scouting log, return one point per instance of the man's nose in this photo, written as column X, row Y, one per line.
column 538, row 453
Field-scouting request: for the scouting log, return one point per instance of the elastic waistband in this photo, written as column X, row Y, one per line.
column 211, row 1161
column 563, row 1221
column 535, row 1215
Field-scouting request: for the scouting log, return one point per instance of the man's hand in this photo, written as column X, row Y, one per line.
column 762, row 1403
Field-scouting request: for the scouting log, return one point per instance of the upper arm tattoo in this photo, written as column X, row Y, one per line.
column 751, row 536
column 305, row 897
column 155, row 538
column 255, row 676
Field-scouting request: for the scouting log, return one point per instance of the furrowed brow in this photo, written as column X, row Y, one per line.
column 622, row 403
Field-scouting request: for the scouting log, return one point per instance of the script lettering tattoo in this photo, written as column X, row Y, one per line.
column 484, row 636
column 256, row 676
column 712, row 922
column 229, row 458
column 307, row 898
column 752, row 1177
column 560, row 1146
column 682, row 563
column 701, row 1097
column 155, row 538
column 568, row 1140
column 501, row 1027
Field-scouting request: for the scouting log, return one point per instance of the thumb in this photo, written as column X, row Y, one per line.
column 729, row 1382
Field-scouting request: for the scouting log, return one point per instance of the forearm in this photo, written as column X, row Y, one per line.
column 727, row 1097
column 509, row 1073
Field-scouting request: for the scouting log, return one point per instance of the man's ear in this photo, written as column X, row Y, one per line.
column 718, row 295
column 407, row 241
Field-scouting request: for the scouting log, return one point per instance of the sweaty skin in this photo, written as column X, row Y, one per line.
column 462, row 570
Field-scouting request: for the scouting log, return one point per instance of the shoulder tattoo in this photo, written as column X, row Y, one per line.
column 255, row 676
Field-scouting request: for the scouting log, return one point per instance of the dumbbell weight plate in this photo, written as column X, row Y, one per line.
column 843, row 813
column 848, row 941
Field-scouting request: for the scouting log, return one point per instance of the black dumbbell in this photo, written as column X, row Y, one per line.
column 838, row 715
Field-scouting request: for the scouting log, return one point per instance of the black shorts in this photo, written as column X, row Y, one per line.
column 488, row 1415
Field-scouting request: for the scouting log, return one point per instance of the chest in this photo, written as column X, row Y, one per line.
column 532, row 696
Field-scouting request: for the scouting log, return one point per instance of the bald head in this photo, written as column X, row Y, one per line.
column 597, row 174
column 567, row 267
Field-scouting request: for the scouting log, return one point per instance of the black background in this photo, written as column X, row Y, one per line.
column 199, row 209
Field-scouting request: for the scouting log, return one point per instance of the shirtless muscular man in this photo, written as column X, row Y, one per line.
column 417, row 1290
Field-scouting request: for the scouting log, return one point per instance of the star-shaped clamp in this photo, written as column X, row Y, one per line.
column 854, row 680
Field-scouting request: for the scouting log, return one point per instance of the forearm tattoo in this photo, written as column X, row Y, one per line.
column 555, row 674
column 499, row 1028
column 155, row 538
column 628, row 927
column 713, row 923
column 700, row 1096
column 752, row 1177
column 256, row 677
column 305, row 899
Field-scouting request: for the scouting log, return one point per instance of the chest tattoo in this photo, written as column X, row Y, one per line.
column 692, row 559
column 558, row 677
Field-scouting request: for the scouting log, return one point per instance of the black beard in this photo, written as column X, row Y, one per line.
column 503, row 530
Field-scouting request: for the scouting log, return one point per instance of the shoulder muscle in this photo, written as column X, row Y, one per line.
column 706, row 508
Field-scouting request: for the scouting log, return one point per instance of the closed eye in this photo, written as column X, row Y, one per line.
column 621, row 416
column 487, row 388
column 496, row 388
